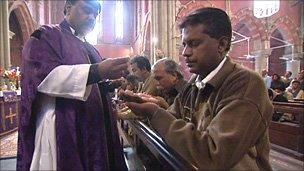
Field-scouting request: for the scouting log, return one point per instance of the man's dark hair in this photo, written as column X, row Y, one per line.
column 141, row 62
column 295, row 81
column 216, row 22
column 132, row 79
column 73, row 2
column 171, row 67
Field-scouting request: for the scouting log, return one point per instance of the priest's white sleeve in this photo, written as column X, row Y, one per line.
column 68, row 81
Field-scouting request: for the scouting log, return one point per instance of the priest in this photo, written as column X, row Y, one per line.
column 67, row 123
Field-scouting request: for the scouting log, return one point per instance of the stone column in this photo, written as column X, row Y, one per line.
column 261, row 61
column 154, row 28
column 294, row 64
column 4, row 35
column 163, row 26
column 173, row 35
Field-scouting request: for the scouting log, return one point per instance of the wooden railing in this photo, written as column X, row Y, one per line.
column 168, row 158
column 289, row 135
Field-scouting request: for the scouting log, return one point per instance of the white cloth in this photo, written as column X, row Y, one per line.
column 200, row 83
column 68, row 81
column 82, row 38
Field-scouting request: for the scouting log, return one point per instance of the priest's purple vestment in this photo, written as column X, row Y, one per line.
column 80, row 130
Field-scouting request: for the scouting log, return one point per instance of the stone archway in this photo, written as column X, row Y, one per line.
column 276, row 64
column 244, row 23
column 24, row 18
column 16, row 41
column 290, row 31
column 285, row 29
column 21, row 24
column 190, row 7
column 255, row 25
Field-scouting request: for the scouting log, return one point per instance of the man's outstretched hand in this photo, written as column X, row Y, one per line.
column 138, row 104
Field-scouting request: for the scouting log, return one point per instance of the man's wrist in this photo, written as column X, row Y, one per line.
column 155, row 111
column 94, row 75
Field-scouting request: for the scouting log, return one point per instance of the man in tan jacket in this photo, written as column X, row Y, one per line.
column 220, row 120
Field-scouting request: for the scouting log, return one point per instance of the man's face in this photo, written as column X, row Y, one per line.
column 82, row 16
column 165, row 80
column 202, row 52
column 301, row 75
column 278, row 91
column 295, row 85
column 275, row 77
column 287, row 74
column 137, row 71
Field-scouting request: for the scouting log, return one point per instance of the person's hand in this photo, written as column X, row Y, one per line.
column 129, row 96
column 113, row 68
column 146, row 109
column 117, row 82
column 154, row 99
column 138, row 103
column 162, row 102
column 126, row 113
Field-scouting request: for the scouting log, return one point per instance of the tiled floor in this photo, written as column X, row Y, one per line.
column 8, row 164
column 279, row 162
column 133, row 162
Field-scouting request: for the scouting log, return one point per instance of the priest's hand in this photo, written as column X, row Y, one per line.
column 113, row 68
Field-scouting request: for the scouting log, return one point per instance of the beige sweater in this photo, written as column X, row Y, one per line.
column 229, row 128
column 149, row 86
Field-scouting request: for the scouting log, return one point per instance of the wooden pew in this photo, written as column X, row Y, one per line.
column 287, row 137
column 148, row 143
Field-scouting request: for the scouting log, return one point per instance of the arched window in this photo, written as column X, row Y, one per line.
column 119, row 20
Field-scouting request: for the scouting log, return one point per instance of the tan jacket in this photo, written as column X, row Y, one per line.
column 149, row 86
column 228, row 128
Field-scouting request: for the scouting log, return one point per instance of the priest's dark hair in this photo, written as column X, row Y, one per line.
column 216, row 22
column 72, row 2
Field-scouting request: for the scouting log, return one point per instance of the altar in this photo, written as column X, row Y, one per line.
column 9, row 111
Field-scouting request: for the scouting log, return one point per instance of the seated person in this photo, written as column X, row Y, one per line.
column 295, row 90
column 276, row 115
column 141, row 68
column 170, row 80
column 131, row 83
column 224, row 121
column 276, row 82
column 282, row 95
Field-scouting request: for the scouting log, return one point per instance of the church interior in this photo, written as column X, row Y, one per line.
column 267, row 38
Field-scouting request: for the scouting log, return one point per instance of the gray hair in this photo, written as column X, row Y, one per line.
column 171, row 67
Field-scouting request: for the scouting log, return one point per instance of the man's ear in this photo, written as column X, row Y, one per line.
column 224, row 44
